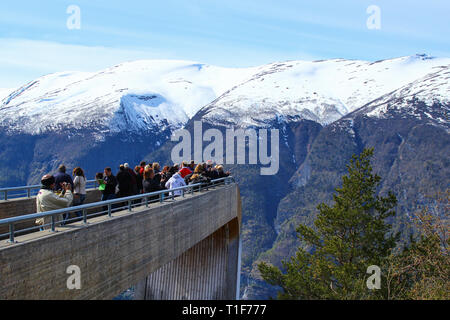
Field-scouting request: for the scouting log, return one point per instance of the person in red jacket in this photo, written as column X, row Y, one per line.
column 184, row 171
column 141, row 172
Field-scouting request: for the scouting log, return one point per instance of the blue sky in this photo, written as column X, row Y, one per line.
column 35, row 40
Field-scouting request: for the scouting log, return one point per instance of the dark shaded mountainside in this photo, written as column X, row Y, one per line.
column 408, row 127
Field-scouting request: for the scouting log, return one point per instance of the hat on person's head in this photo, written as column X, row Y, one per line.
column 47, row 180
column 126, row 165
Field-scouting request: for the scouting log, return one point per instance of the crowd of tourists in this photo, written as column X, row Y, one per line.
column 63, row 190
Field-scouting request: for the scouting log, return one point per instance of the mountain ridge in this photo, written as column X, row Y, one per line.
column 145, row 94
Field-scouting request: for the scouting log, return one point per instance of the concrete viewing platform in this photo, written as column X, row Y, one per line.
column 182, row 248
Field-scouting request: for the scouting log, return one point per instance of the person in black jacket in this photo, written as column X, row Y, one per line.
column 165, row 176
column 150, row 183
column 221, row 173
column 124, row 181
column 198, row 176
column 110, row 185
column 134, row 186
column 60, row 177
column 213, row 173
column 139, row 179
column 156, row 170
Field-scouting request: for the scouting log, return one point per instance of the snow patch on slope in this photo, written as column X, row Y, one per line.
column 433, row 89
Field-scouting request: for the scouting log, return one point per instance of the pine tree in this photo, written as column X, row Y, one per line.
column 348, row 237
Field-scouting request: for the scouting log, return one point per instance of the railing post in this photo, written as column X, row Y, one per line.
column 109, row 209
column 182, row 193
column 84, row 216
column 6, row 195
column 161, row 197
column 53, row 223
column 11, row 232
column 129, row 205
column 146, row 202
column 29, row 192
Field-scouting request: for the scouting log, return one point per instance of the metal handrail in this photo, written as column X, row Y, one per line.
column 28, row 189
column 109, row 203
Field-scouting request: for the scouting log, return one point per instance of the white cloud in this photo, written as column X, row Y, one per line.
column 22, row 60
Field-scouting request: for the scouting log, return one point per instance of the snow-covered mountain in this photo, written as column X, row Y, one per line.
column 132, row 96
column 417, row 99
column 160, row 94
column 323, row 91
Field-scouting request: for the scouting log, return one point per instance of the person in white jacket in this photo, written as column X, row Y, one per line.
column 176, row 181
column 47, row 200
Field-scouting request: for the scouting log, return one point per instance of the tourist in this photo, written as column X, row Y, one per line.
column 79, row 189
column 213, row 173
column 139, row 179
column 165, row 176
column 123, row 182
column 150, row 183
column 185, row 170
column 199, row 176
column 47, row 200
column 61, row 176
column 134, row 186
column 110, row 185
column 221, row 173
column 192, row 165
column 142, row 168
column 176, row 181
column 156, row 169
